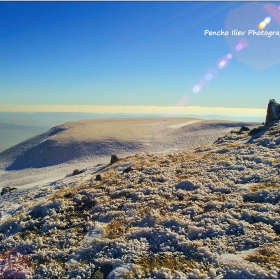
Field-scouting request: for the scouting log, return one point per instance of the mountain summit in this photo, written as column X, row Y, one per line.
column 210, row 211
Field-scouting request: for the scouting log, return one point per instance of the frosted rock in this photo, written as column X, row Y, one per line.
column 114, row 159
column 273, row 111
column 122, row 271
column 7, row 190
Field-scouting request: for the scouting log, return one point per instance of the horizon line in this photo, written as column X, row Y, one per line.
column 124, row 109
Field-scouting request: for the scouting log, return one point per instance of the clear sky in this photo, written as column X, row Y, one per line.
column 138, row 54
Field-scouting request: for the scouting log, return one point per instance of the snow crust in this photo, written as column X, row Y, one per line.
column 183, row 124
column 210, row 211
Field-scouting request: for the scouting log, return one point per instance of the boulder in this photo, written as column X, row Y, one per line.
column 273, row 111
column 255, row 131
column 244, row 128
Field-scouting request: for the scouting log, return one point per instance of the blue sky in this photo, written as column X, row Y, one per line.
column 130, row 54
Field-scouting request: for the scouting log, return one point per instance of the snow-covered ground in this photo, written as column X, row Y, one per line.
column 81, row 144
column 184, row 124
column 203, row 211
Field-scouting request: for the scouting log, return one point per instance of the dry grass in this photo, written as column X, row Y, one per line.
column 233, row 144
column 276, row 161
column 115, row 228
column 166, row 260
column 144, row 211
column 266, row 185
column 268, row 256
column 69, row 192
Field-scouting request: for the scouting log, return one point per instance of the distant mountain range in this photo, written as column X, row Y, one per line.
column 56, row 118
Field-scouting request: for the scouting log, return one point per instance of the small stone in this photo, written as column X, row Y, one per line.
column 7, row 190
column 114, row 159
column 98, row 177
column 77, row 171
column 128, row 169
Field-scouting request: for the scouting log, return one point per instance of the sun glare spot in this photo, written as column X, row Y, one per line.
column 185, row 99
column 238, row 47
column 197, row 88
column 267, row 20
column 229, row 56
column 213, row 72
column 222, row 62
column 242, row 44
column 208, row 77
column 263, row 24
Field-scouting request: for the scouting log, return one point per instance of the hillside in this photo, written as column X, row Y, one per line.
column 208, row 211
column 82, row 144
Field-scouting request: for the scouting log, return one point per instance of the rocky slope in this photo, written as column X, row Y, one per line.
column 211, row 211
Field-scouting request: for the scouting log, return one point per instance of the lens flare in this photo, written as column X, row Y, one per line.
column 273, row 11
column 242, row 44
column 185, row 99
column 222, row 62
column 238, row 47
column 229, row 56
column 267, row 20
column 263, row 24
column 208, row 77
column 197, row 88
column 263, row 50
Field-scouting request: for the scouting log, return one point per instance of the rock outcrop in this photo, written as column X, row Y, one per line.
column 273, row 111
column 7, row 190
column 256, row 130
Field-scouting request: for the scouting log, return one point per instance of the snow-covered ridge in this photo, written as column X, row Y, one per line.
column 209, row 211
column 55, row 153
